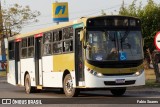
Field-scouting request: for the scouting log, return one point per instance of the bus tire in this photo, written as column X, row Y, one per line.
column 118, row 91
column 28, row 87
column 68, row 87
column 61, row 91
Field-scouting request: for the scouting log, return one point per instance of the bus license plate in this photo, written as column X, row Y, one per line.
column 118, row 81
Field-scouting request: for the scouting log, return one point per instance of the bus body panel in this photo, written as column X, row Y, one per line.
column 27, row 65
column 63, row 62
column 47, row 71
column 98, row 82
column 52, row 75
column 19, row 73
column 11, row 75
column 40, row 72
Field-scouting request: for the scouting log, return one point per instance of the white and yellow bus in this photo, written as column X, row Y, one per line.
column 103, row 52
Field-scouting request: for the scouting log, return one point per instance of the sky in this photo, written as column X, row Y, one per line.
column 77, row 9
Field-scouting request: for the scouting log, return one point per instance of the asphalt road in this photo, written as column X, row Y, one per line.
column 89, row 98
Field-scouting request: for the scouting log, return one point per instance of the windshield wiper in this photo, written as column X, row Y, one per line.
column 125, row 35
column 123, row 39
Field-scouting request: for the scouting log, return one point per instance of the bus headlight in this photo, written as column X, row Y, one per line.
column 99, row 74
column 95, row 73
column 139, row 72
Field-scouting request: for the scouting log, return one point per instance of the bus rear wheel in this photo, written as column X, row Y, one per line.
column 28, row 87
column 69, row 90
column 118, row 91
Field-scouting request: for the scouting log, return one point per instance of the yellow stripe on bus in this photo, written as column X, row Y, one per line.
column 114, row 70
column 63, row 62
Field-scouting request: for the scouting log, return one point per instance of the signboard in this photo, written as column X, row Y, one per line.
column 157, row 41
column 60, row 12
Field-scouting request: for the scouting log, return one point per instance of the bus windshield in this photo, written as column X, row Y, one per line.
column 114, row 45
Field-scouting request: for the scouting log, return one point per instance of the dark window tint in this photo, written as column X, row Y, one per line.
column 30, row 47
column 24, row 42
column 47, row 39
column 11, row 50
column 30, row 41
column 68, row 33
column 57, row 47
column 24, row 53
column 68, row 46
column 24, row 48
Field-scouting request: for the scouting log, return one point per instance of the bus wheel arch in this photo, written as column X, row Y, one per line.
column 64, row 74
column 25, row 76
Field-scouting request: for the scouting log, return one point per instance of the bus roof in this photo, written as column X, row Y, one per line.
column 47, row 29
column 83, row 19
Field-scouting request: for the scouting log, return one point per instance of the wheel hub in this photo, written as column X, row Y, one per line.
column 69, row 86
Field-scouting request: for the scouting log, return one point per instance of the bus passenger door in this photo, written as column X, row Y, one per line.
column 79, row 59
column 38, row 61
column 17, row 63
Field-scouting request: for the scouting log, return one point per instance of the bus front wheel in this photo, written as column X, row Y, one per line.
column 118, row 91
column 69, row 90
column 28, row 87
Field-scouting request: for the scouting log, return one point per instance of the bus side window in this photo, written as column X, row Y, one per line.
column 67, row 39
column 47, row 38
column 11, row 50
column 24, row 48
column 57, row 47
column 57, row 42
column 68, row 46
column 67, row 33
column 30, row 46
column 60, row 35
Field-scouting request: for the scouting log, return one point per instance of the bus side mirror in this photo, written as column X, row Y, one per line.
column 81, row 35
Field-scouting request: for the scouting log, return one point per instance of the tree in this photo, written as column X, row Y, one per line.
column 103, row 12
column 17, row 16
column 150, row 18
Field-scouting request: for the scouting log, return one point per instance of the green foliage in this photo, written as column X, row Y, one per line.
column 150, row 17
column 17, row 16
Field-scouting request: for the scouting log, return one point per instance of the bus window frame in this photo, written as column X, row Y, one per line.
column 31, row 46
column 61, row 41
column 13, row 50
column 24, row 48
column 45, row 44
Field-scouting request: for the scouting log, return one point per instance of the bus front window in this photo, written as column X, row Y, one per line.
column 108, row 45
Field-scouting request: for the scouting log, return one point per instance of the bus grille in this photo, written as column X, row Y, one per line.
column 114, row 83
column 118, row 74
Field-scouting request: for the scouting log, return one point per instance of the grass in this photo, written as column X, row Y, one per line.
column 2, row 73
column 150, row 75
column 150, row 79
column 152, row 83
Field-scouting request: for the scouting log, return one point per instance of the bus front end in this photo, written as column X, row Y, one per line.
column 113, row 51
